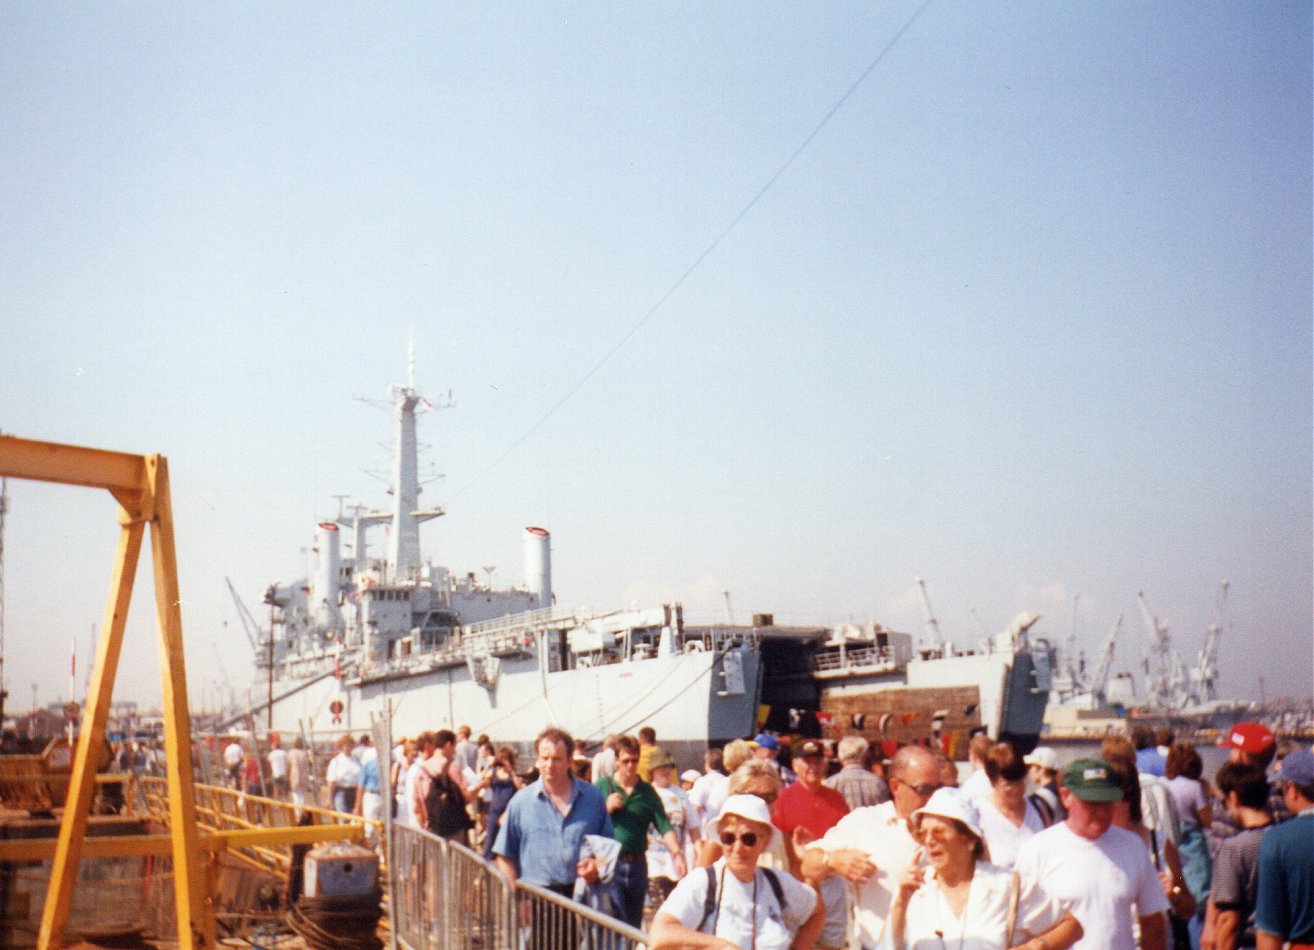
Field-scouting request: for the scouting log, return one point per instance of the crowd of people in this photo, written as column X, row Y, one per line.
column 811, row 843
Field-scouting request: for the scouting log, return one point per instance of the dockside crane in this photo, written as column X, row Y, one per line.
column 937, row 641
column 249, row 625
column 1204, row 678
column 1099, row 681
column 1159, row 662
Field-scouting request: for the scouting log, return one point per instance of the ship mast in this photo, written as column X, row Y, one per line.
column 404, row 540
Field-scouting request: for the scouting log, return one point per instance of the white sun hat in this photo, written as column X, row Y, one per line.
column 1043, row 756
column 744, row 806
column 950, row 803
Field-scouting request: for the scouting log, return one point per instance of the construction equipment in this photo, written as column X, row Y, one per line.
column 140, row 485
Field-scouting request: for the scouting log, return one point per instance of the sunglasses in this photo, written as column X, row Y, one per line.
column 926, row 791
column 939, row 833
column 748, row 838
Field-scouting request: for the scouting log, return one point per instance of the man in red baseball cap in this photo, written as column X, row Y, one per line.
column 1250, row 742
column 1254, row 743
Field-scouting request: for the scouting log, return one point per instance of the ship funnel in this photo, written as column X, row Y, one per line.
column 327, row 571
column 538, row 566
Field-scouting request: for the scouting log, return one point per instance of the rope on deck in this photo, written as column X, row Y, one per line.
column 349, row 922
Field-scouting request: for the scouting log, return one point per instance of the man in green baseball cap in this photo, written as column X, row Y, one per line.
column 1103, row 873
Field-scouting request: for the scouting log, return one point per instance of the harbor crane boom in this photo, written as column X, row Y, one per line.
column 1099, row 682
column 249, row 625
column 1159, row 660
column 937, row 640
column 1204, row 678
column 1070, row 664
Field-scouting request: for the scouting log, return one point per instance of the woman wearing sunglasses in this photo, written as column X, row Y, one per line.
column 760, row 778
column 735, row 903
column 952, row 898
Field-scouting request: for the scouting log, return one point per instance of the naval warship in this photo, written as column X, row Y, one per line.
column 370, row 634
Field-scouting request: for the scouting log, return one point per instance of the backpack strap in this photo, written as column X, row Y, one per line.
column 1042, row 807
column 776, row 889
column 709, row 902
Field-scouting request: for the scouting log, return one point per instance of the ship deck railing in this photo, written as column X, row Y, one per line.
column 855, row 660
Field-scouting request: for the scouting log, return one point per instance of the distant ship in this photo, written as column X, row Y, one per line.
column 370, row 633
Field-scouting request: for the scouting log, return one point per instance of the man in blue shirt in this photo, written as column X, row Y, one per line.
column 545, row 824
column 1284, row 904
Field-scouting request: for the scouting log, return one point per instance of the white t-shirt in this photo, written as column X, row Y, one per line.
column 977, row 786
column 741, row 908
column 676, row 804
column 883, row 835
column 1106, row 883
column 708, row 795
column 343, row 771
column 1002, row 836
column 408, row 787
column 277, row 763
column 233, row 754
column 930, row 923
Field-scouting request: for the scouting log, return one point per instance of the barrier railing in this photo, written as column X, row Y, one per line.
column 224, row 809
column 443, row 895
column 446, row 896
column 549, row 921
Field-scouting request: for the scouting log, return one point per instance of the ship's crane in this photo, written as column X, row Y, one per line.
column 1099, row 681
column 936, row 639
column 249, row 624
column 1204, row 677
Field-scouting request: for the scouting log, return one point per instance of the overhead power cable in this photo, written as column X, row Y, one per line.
column 706, row 252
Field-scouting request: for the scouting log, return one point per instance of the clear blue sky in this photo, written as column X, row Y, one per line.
column 1030, row 315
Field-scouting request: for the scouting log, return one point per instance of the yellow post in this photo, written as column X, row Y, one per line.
column 82, row 784
column 189, row 882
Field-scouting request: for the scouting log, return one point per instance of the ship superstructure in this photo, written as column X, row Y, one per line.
column 371, row 634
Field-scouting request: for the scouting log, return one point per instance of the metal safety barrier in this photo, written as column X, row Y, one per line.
column 444, row 895
column 224, row 809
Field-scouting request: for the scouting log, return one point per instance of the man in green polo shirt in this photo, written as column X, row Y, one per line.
column 634, row 806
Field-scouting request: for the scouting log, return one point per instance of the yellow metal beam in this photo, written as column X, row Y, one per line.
column 131, row 846
column 71, row 465
column 81, row 786
column 189, row 882
column 140, row 484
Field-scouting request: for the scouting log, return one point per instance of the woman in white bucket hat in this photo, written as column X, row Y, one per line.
column 735, row 903
column 952, row 898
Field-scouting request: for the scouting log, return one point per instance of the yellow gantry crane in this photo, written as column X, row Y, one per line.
column 140, row 484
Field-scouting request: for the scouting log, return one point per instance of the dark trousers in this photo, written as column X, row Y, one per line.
column 632, row 881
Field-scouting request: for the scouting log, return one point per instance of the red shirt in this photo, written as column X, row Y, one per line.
column 816, row 811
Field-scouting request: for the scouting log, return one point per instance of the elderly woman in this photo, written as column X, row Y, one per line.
column 951, row 896
column 735, row 903
column 1007, row 817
